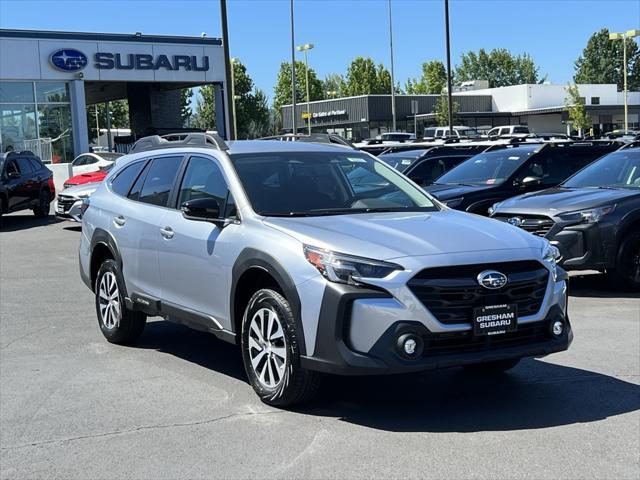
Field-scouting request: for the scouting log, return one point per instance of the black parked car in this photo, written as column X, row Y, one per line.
column 593, row 217
column 506, row 171
column 424, row 165
column 25, row 184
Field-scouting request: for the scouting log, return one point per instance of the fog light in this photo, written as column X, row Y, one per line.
column 410, row 346
column 558, row 328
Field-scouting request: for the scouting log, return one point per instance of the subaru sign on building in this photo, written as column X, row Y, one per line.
column 49, row 79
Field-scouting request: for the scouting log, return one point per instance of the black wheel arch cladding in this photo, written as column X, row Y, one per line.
column 251, row 258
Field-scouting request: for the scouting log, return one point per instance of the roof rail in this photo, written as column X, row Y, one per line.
column 634, row 144
column 16, row 153
column 172, row 140
column 313, row 138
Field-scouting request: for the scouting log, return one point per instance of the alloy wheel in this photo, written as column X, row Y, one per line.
column 267, row 348
column 109, row 298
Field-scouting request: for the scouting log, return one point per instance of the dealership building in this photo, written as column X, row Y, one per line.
column 540, row 106
column 48, row 79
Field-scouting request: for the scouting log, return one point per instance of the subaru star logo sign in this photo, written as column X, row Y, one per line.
column 515, row 221
column 69, row 60
column 492, row 280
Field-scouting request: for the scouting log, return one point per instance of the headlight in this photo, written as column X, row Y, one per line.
column 341, row 268
column 551, row 255
column 84, row 195
column 592, row 215
column 492, row 208
column 454, row 202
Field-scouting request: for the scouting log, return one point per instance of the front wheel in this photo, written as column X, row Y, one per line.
column 270, row 351
column 627, row 271
column 118, row 324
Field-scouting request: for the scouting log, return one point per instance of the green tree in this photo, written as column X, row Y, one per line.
column 252, row 110
column 364, row 78
column 205, row 114
column 282, row 89
column 576, row 109
column 333, row 85
column 119, row 113
column 185, row 105
column 499, row 66
column 601, row 62
column 441, row 109
column 433, row 79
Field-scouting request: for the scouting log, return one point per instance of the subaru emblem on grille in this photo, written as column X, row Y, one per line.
column 492, row 280
column 515, row 221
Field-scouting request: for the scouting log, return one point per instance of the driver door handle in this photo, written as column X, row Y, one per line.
column 119, row 220
column 167, row 232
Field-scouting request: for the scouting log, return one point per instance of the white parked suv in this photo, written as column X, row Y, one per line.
column 313, row 258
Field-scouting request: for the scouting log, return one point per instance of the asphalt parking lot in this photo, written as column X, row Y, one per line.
column 178, row 405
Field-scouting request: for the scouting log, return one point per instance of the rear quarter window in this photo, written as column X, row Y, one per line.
column 121, row 184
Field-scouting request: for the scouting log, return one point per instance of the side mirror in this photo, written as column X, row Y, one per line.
column 201, row 209
column 531, row 181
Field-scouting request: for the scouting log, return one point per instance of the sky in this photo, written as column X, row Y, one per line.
column 553, row 32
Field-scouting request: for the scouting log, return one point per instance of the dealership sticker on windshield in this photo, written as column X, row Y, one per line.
column 514, row 158
column 406, row 162
column 356, row 160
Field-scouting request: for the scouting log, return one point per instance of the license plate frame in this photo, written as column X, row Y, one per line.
column 495, row 319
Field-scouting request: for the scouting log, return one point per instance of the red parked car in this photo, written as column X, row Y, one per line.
column 89, row 177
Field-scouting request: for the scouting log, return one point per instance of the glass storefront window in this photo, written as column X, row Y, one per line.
column 54, row 121
column 52, row 92
column 17, row 124
column 16, row 92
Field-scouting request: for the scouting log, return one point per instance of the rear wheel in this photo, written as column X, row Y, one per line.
column 493, row 367
column 270, row 351
column 117, row 323
column 44, row 204
column 627, row 271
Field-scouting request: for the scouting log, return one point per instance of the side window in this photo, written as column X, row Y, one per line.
column 504, row 131
column 24, row 165
column 123, row 180
column 426, row 172
column 90, row 160
column 203, row 179
column 493, row 131
column 159, row 180
column 12, row 167
column 538, row 166
column 81, row 160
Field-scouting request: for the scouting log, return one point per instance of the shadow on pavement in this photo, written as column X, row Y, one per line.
column 597, row 286
column 535, row 394
column 13, row 223
column 201, row 348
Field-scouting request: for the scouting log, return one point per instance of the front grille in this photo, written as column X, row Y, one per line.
column 66, row 202
column 466, row 342
column 451, row 293
column 536, row 224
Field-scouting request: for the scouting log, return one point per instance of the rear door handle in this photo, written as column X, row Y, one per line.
column 167, row 232
column 119, row 220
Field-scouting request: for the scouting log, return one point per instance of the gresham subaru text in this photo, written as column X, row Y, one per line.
column 315, row 259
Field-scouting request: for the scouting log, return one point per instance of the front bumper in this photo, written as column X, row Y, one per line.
column 584, row 246
column 341, row 337
column 69, row 210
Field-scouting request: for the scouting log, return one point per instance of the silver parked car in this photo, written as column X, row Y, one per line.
column 314, row 259
column 69, row 203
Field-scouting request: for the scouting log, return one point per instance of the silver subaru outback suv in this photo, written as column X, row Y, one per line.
column 314, row 259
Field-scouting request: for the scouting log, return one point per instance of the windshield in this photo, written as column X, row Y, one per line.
column 468, row 132
column 401, row 160
column 325, row 183
column 488, row 168
column 617, row 169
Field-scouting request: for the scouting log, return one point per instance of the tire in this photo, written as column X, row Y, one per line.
column 118, row 324
column 44, row 205
column 498, row 366
column 273, row 363
column 627, row 272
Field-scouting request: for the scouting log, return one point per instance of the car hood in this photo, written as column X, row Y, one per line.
column 385, row 236
column 559, row 200
column 447, row 192
column 80, row 190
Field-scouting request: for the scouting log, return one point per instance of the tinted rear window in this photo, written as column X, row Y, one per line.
column 159, row 180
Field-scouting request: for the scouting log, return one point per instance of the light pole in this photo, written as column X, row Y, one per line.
column 305, row 48
column 449, row 97
column 228, row 70
column 233, row 99
column 393, row 85
column 623, row 36
column 293, row 75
